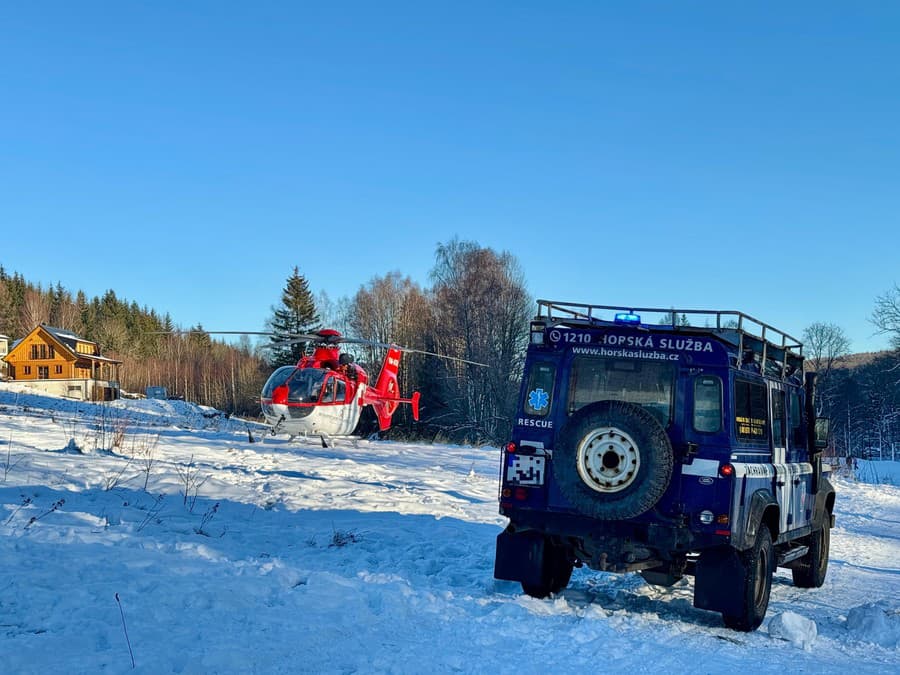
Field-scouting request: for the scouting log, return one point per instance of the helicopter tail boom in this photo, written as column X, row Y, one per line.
column 384, row 397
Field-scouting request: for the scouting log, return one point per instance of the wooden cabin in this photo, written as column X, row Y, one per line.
column 60, row 362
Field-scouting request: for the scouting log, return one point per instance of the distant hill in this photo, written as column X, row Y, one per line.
column 863, row 358
column 852, row 361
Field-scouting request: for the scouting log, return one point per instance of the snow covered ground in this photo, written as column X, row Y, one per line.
column 222, row 555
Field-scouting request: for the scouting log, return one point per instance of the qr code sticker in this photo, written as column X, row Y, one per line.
column 525, row 469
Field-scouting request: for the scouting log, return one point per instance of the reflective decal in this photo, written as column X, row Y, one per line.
column 538, row 399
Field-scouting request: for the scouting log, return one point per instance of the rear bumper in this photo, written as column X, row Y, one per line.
column 614, row 545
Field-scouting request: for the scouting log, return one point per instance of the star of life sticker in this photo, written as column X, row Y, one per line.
column 538, row 399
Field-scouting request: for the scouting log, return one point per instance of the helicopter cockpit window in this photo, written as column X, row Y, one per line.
column 276, row 379
column 341, row 391
column 305, row 385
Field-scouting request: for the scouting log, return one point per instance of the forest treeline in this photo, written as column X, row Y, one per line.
column 477, row 309
column 192, row 365
column 861, row 396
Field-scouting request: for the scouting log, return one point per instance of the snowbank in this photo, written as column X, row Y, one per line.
column 796, row 629
column 877, row 622
column 221, row 555
column 876, row 472
column 16, row 399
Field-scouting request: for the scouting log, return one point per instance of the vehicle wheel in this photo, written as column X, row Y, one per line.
column 758, row 564
column 556, row 572
column 613, row 460
column 809, row 571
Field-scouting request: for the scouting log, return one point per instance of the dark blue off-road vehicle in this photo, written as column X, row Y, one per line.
column 684, row 447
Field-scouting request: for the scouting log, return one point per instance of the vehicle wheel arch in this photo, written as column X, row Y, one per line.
column 763, row 508
column 825, row 498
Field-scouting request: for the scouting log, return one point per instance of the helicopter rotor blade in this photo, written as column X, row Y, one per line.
column 296, row 338
column 441, row 356
column 209, row 332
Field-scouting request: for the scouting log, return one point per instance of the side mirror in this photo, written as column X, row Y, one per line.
column 822, row 424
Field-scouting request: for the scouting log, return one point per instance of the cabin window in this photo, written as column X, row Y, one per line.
column 42, row 351
column 59, row 370
column 43, row 372
column 28, row 370
column 707, row 404
column 751, row 415
column 539, row 396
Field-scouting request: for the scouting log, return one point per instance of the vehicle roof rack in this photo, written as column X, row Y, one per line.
column 779, row 354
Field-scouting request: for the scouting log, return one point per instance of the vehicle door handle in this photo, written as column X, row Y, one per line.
column 779, row 483
column 796, row 481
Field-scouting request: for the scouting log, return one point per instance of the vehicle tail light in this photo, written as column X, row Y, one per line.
column 511, row 447
column 521, row 494
column 726, row 471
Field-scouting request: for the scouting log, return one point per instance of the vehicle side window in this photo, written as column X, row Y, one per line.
column 539, row 394
column 778, row 418
column 707, row 404
column 797, row 436
column 341, row 391
column 751, row 415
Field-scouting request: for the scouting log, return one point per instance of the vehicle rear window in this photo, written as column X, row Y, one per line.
column 649, row 384
column 708, row 404
column 539, row 394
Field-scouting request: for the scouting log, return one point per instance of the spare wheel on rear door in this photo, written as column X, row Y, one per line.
column 613, row 460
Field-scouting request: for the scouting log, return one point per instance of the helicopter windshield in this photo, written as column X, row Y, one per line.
column 304, row 384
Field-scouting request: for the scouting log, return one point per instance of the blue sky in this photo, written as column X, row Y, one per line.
column 705, row 155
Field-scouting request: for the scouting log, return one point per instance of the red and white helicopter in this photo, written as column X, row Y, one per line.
column 324, row 394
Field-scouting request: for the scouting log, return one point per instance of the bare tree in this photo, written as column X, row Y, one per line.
column 826, row 345
column 391, row 309
column 35, row 310
column 481, row 311
column 333, row 313
column 886, row 315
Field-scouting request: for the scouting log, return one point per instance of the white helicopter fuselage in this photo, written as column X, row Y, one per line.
column 323, row 419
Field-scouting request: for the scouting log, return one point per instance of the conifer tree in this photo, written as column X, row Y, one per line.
column 296, row 315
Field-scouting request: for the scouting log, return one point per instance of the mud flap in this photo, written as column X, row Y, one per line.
column 718, row 580
column 520, row 557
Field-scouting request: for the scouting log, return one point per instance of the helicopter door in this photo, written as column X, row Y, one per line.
column 333, row 406
column 328, row 390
